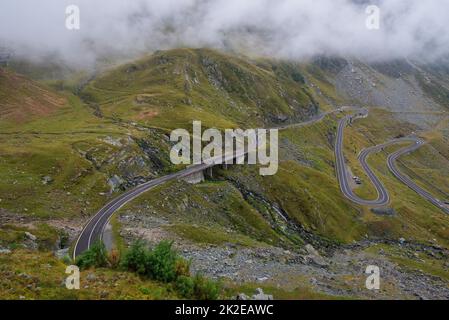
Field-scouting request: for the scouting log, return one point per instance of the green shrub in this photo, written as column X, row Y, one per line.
column 96, row 256
column 185, row 286
column 164, row 264
column 161, row 262
column 144, row 290
column 64, row 239
column 205, row 289
column 136, row 258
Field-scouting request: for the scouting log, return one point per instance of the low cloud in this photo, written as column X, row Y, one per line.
column 294, row 29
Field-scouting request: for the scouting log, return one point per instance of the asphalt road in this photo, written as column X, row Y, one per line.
column 94, row 228
column 342, row 173
column 383, row 197
column 391, row 162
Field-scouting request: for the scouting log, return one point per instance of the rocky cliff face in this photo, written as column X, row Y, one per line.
column 414, row 93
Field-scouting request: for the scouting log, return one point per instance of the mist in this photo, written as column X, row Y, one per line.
column 291, row 29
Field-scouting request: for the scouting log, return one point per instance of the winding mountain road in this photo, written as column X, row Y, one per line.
column 383, row 197
column 94, row 228
column 391, row 162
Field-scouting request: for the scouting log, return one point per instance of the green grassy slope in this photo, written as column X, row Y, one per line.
column 67, row 143
column 170, row 88
column 30, row 275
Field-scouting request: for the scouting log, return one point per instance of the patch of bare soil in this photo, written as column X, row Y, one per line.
column 22, row 99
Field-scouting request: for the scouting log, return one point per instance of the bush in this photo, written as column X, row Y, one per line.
column 185, row 286
column 205, row 289
column 96, row 256
column 136, row 258
column 162, row 262
column 182, row 267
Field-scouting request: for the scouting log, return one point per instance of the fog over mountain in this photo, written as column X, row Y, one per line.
column 287, row 28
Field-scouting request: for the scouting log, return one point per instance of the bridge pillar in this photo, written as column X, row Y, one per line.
column 209, row 172
column 195, row 178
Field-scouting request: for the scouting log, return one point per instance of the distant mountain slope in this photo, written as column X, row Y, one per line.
column 415, row 93
column 170, row 88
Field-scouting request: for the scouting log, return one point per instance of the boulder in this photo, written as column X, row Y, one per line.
column 260, row 295
column 242, row 296
column 282, row 118
column 314, row 256
column 30, row 236
column 91, row 277
column 47, row 180
column 311, row 250
column 4, row 251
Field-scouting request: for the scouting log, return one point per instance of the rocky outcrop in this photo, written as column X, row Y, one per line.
column 384, row 211
column 115, row 182
column 314, row 257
